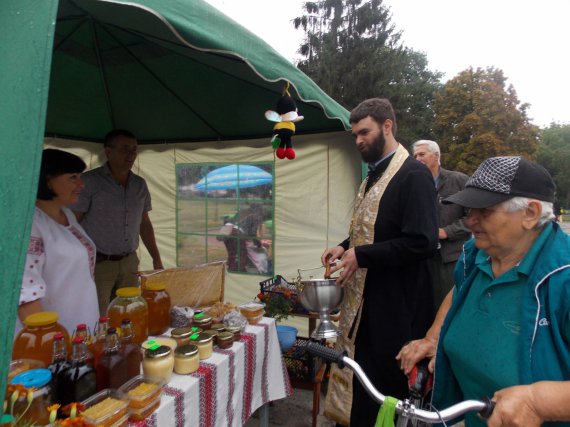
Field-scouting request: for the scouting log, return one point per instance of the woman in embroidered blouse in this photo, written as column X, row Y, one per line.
column 58, row 275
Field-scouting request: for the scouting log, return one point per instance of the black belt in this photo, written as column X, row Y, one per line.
column 105, row 257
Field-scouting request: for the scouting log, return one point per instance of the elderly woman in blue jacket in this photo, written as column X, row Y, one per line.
column 504, row 330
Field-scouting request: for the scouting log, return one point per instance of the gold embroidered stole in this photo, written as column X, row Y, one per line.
column 339, row 395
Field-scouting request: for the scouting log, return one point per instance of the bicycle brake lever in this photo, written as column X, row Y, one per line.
column 489, row 407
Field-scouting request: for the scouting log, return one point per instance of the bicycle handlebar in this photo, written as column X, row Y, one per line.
column 484, row 407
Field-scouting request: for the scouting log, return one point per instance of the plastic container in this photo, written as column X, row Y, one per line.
column 225, row 340
column 139, row 414
column 158, row 362
column 39, row 379
column 158, row 301
column 205, row 344
column 142, row 391
column 186, row 359
column 108, row 408
column 253, row 311
column 34, row 341
column 129, row 304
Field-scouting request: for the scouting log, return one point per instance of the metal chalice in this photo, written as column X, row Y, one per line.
column 322, row 296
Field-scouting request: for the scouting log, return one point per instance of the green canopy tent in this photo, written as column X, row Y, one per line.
column 169, row 70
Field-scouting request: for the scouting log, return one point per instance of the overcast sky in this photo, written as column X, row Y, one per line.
column 526, row 39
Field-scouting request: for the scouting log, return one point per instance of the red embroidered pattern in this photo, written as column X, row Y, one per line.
column 264, row 383
column 88, row 245
column 249, row 341
column 179, row 419
column 206, row 373
column 36, row 246
column 230, row 408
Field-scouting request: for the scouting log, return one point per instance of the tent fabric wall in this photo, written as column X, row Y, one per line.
column 313, row 195
column 24, row 88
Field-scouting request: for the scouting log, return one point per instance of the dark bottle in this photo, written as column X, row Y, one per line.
column 81, row 330
column 97, row 348
column 59, row 363
column 78, row 382
column 112, row 367
column 131, row 352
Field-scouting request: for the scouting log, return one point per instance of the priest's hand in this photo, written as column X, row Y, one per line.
column 348, row 264
column 331, row 255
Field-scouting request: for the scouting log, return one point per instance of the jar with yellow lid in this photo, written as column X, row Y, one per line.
column 202, row 320
column 158, row 362
column 225, row 340
column 35, row 340
column 186, row 359
column 158, row 301
column 129, row 304
column 205, row 345
column 182, row 335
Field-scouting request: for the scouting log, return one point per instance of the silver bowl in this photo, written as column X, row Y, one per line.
column 322, row 296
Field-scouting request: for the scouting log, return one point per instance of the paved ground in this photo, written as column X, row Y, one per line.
column 295, row 411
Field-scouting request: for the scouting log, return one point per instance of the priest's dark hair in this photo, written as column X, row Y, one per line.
column 380, row 109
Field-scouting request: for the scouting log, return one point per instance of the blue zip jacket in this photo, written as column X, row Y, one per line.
column 544, row 321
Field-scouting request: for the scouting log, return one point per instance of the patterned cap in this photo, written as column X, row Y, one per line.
column 501, row 178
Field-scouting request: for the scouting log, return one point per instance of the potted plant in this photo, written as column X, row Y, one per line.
column 279, row 305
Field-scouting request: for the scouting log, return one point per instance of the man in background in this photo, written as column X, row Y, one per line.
column 452, row 230
column 113, row 209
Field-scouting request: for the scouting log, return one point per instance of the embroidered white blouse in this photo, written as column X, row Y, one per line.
column 59, row 271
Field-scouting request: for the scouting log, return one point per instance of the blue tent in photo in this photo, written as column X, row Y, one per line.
column 232, row 176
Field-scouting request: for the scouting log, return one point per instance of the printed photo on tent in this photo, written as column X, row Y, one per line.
column 225, row 213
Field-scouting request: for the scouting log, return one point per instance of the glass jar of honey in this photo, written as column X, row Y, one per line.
column 158, row 302
column 236, row 332
column 202, row 320
column 35, row 340
column 186, row 359
column 129, row 304
column 205, row 344
column 158, row 362
column 182, row 335
column 36, row 413
column 225, row 340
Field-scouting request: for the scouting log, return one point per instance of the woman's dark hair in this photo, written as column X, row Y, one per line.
column 55, row 163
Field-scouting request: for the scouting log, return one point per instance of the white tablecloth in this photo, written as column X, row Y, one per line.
column 229, row 386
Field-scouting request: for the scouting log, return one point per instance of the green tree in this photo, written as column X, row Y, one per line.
column 477, row 116
column 353, row 52
column 554, row 155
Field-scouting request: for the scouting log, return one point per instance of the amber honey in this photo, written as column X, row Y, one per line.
column 35, row 341
column 129, row 304
column 158, row 302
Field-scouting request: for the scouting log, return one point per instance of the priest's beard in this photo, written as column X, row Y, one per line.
column 374, row 152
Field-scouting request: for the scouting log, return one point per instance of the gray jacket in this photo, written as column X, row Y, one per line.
column 451, row 216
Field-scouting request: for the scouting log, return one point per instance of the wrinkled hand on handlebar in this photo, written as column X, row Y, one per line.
column 416, row 350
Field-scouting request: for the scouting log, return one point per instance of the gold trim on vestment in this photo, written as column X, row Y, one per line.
column 339, row 396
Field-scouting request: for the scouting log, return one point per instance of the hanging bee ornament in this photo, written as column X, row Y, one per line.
column 285, row 118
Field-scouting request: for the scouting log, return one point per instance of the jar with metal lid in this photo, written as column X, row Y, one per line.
column 35, row 340
column 213, row 334
column 129, row 304
column 225, row 340
column 235, row 330
column 39, row 380
column 182, row 335
column 205, row 345
column 220, row 327
column 202, row 320
column 158, row 362
column 186, row 359
column 158, row 301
